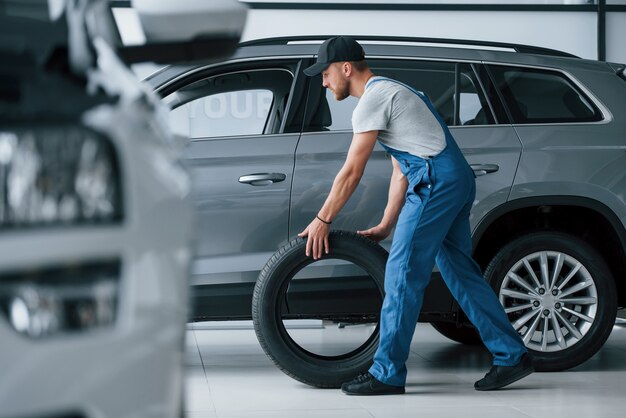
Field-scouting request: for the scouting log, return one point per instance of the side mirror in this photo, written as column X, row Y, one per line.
column 186, row 30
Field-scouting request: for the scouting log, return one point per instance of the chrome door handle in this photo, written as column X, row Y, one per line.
column 482, row 169
column 262, row 179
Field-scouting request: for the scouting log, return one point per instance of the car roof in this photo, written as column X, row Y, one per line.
column 388, row 40
column 400, row 47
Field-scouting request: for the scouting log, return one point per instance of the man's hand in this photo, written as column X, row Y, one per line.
column 376, row 234
column 317, row 242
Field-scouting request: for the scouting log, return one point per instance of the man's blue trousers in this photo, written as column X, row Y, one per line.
column 434, row 227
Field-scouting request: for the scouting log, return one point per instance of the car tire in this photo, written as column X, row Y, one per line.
column 463, row 334
column 583, row 306
column 270, row 289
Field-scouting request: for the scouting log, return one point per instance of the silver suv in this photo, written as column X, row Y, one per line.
column 543, row 130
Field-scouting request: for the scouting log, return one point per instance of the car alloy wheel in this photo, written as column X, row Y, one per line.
column 558, row 293
column 554, row 309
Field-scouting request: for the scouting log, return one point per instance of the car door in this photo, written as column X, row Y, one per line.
column 492, row 149
column 240, row 154
column 489, row 142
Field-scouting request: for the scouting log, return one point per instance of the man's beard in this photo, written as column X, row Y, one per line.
column 342, row 91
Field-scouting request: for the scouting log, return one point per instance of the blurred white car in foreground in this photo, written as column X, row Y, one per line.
column 95, row 220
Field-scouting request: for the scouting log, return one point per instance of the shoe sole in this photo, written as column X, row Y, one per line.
column 512, row 379
column 398, row 392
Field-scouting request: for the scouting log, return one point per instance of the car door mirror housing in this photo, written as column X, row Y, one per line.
column 184, row 20
column 186, row 30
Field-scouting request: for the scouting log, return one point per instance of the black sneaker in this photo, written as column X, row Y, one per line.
column 500, row 376
column 366, row 384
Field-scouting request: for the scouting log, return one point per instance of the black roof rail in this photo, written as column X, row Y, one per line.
column 526, row 49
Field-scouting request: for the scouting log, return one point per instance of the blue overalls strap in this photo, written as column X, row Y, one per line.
column 380, row 78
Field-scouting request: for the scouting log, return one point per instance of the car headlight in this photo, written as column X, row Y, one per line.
column 61, row 300
column 57, row 175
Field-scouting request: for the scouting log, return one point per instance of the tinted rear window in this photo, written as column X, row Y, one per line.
column 539, row 96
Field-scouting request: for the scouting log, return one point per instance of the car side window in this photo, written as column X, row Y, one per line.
column 473, row 107
column 540, row 96
column 223, row 114
column 233, row 104
column 445, row 83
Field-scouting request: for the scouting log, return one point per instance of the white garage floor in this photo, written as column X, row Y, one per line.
column 228, row 375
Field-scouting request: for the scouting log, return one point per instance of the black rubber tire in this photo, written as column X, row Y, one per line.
column 314, row 370
column 600, row 273
column 464, row 335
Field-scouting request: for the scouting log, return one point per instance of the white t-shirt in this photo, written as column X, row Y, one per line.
column 403, row 120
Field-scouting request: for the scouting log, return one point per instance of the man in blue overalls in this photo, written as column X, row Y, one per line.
column 430, row 196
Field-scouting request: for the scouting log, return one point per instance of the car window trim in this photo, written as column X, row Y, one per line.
column 246, row 136
column 607, row 116
column 298, row 77
column 456, row 118
column 405, row 58
column 193, row 72
column 501, row 100
column 483, row 88
column 237, row 72
column 457, row 62
column 293, row 74
column 350, row 131
column 344, row 131
column 267, row 118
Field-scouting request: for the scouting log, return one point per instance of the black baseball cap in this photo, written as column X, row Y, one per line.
column 336, row 49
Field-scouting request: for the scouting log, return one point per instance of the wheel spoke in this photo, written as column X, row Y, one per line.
column 578, row 314
column 570, row 275
column 570, row 327
column 516, row 295
column 531, row 272
column 544, row 335
column 518, row 308
column 576, row 288
column 557, row 270
column 525, row 318
column 531, row 331
column 557, row 332
column 590, row 300
column 543, row 262
column 522, row 283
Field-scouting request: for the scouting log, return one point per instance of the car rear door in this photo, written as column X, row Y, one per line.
column 487, row 140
